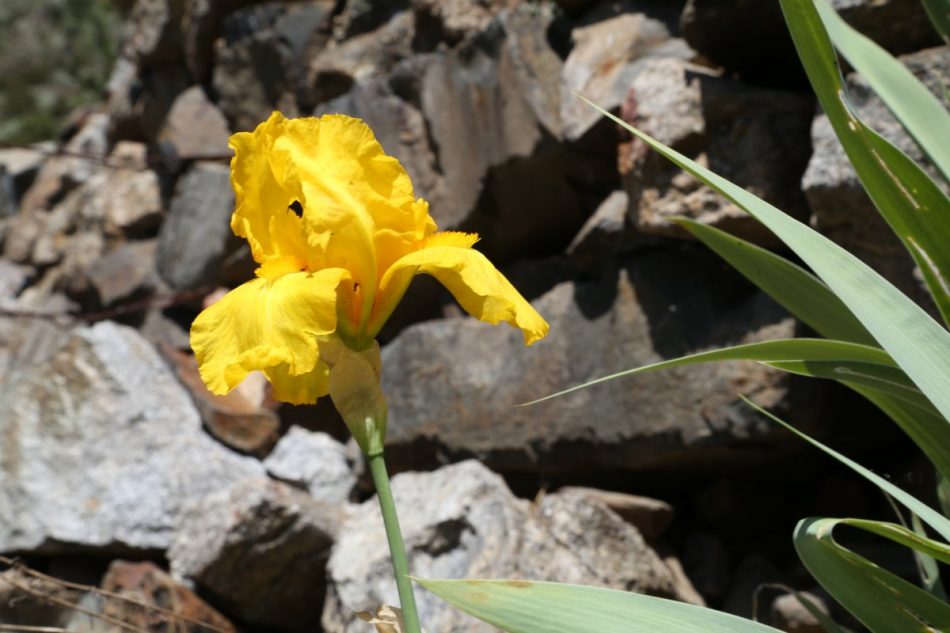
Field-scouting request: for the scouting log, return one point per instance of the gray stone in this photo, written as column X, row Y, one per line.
column 139, row 99
column 102, row 447
column 495, row 136
column 651, row 517
column 195, row 128
column 453, row 385
column 151, row 33
column 462, row 522
column 18, row 169
column 260, row 548
column 606, row 57
column 336, row 68
column 363, row 16
column 840, row 207
column 454, row 21
column 755, row 137
column 790, row 615
column 314, row 461
column 126, row 272
column 126, row 198
column 196, row 236
column 608, row 235
column 201, row 26
column 260, row 62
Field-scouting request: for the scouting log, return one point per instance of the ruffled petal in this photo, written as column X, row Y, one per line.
column 475, row 283
column 303, row 389
column 267, row 193
column 270, row 326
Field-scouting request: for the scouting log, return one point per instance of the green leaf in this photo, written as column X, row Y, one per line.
column 910, row 202
column 879, row 599
column 916, row 108
column 523, row 606
column 927, row 514
column 927, row 565
column 912, row 338
column 792, row 349
column 926, row 427
column 793, row 287
column 939, row 12
column 883, row 378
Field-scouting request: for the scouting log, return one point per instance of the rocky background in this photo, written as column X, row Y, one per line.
column 118, row 469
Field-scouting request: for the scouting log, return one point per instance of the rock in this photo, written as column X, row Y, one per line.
column 127, row 272
column 260, row 60
column 363, row 16
column 201, row 25
column 606, row 57
column 336, row 68
column 18, row 169
column 259, row 548
column 142, row 592
column 840, row 207
column 140, row 99
column 151, row 33
column 788, row 613
column 452, row 385
column 608, row 235
column 651, row 517
column 195, row 128
column 454, row 21
column 61, row 174
column 13, row 278
column 495, row 136
column 751, row 39
column 236, row 419
column 196, row 236
column 465, row 523
column 99, row 401
column 755, row 137
column 313, row 461
column 127, row 196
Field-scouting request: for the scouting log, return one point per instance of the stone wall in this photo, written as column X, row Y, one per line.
column 113, row 237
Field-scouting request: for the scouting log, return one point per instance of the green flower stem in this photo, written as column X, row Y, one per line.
column 410, row 615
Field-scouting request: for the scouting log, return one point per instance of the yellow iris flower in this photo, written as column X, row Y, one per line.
column 338, row 235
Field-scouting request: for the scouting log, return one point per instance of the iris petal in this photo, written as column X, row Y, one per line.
column 474, row 282
column 267, row 325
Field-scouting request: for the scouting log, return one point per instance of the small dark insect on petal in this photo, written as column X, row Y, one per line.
column 297, row 208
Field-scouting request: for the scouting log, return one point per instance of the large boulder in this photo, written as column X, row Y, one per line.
column 102, row 448
column 755, row 137
column 454, row 385
column 260, row 547
column 462, row 522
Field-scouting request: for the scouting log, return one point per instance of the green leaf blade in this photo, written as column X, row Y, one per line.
column 880, row 600
column 793, row 287
column 521, row 606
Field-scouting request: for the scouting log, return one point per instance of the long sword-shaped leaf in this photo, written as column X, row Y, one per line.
column 791, row 349
column 521, row 606
column 928, row 515
column 925, row 426
column 939, row 13
column 910, row 202
column 879, row 599
column 796, row 289
column 912, row 338
column 916, row 108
